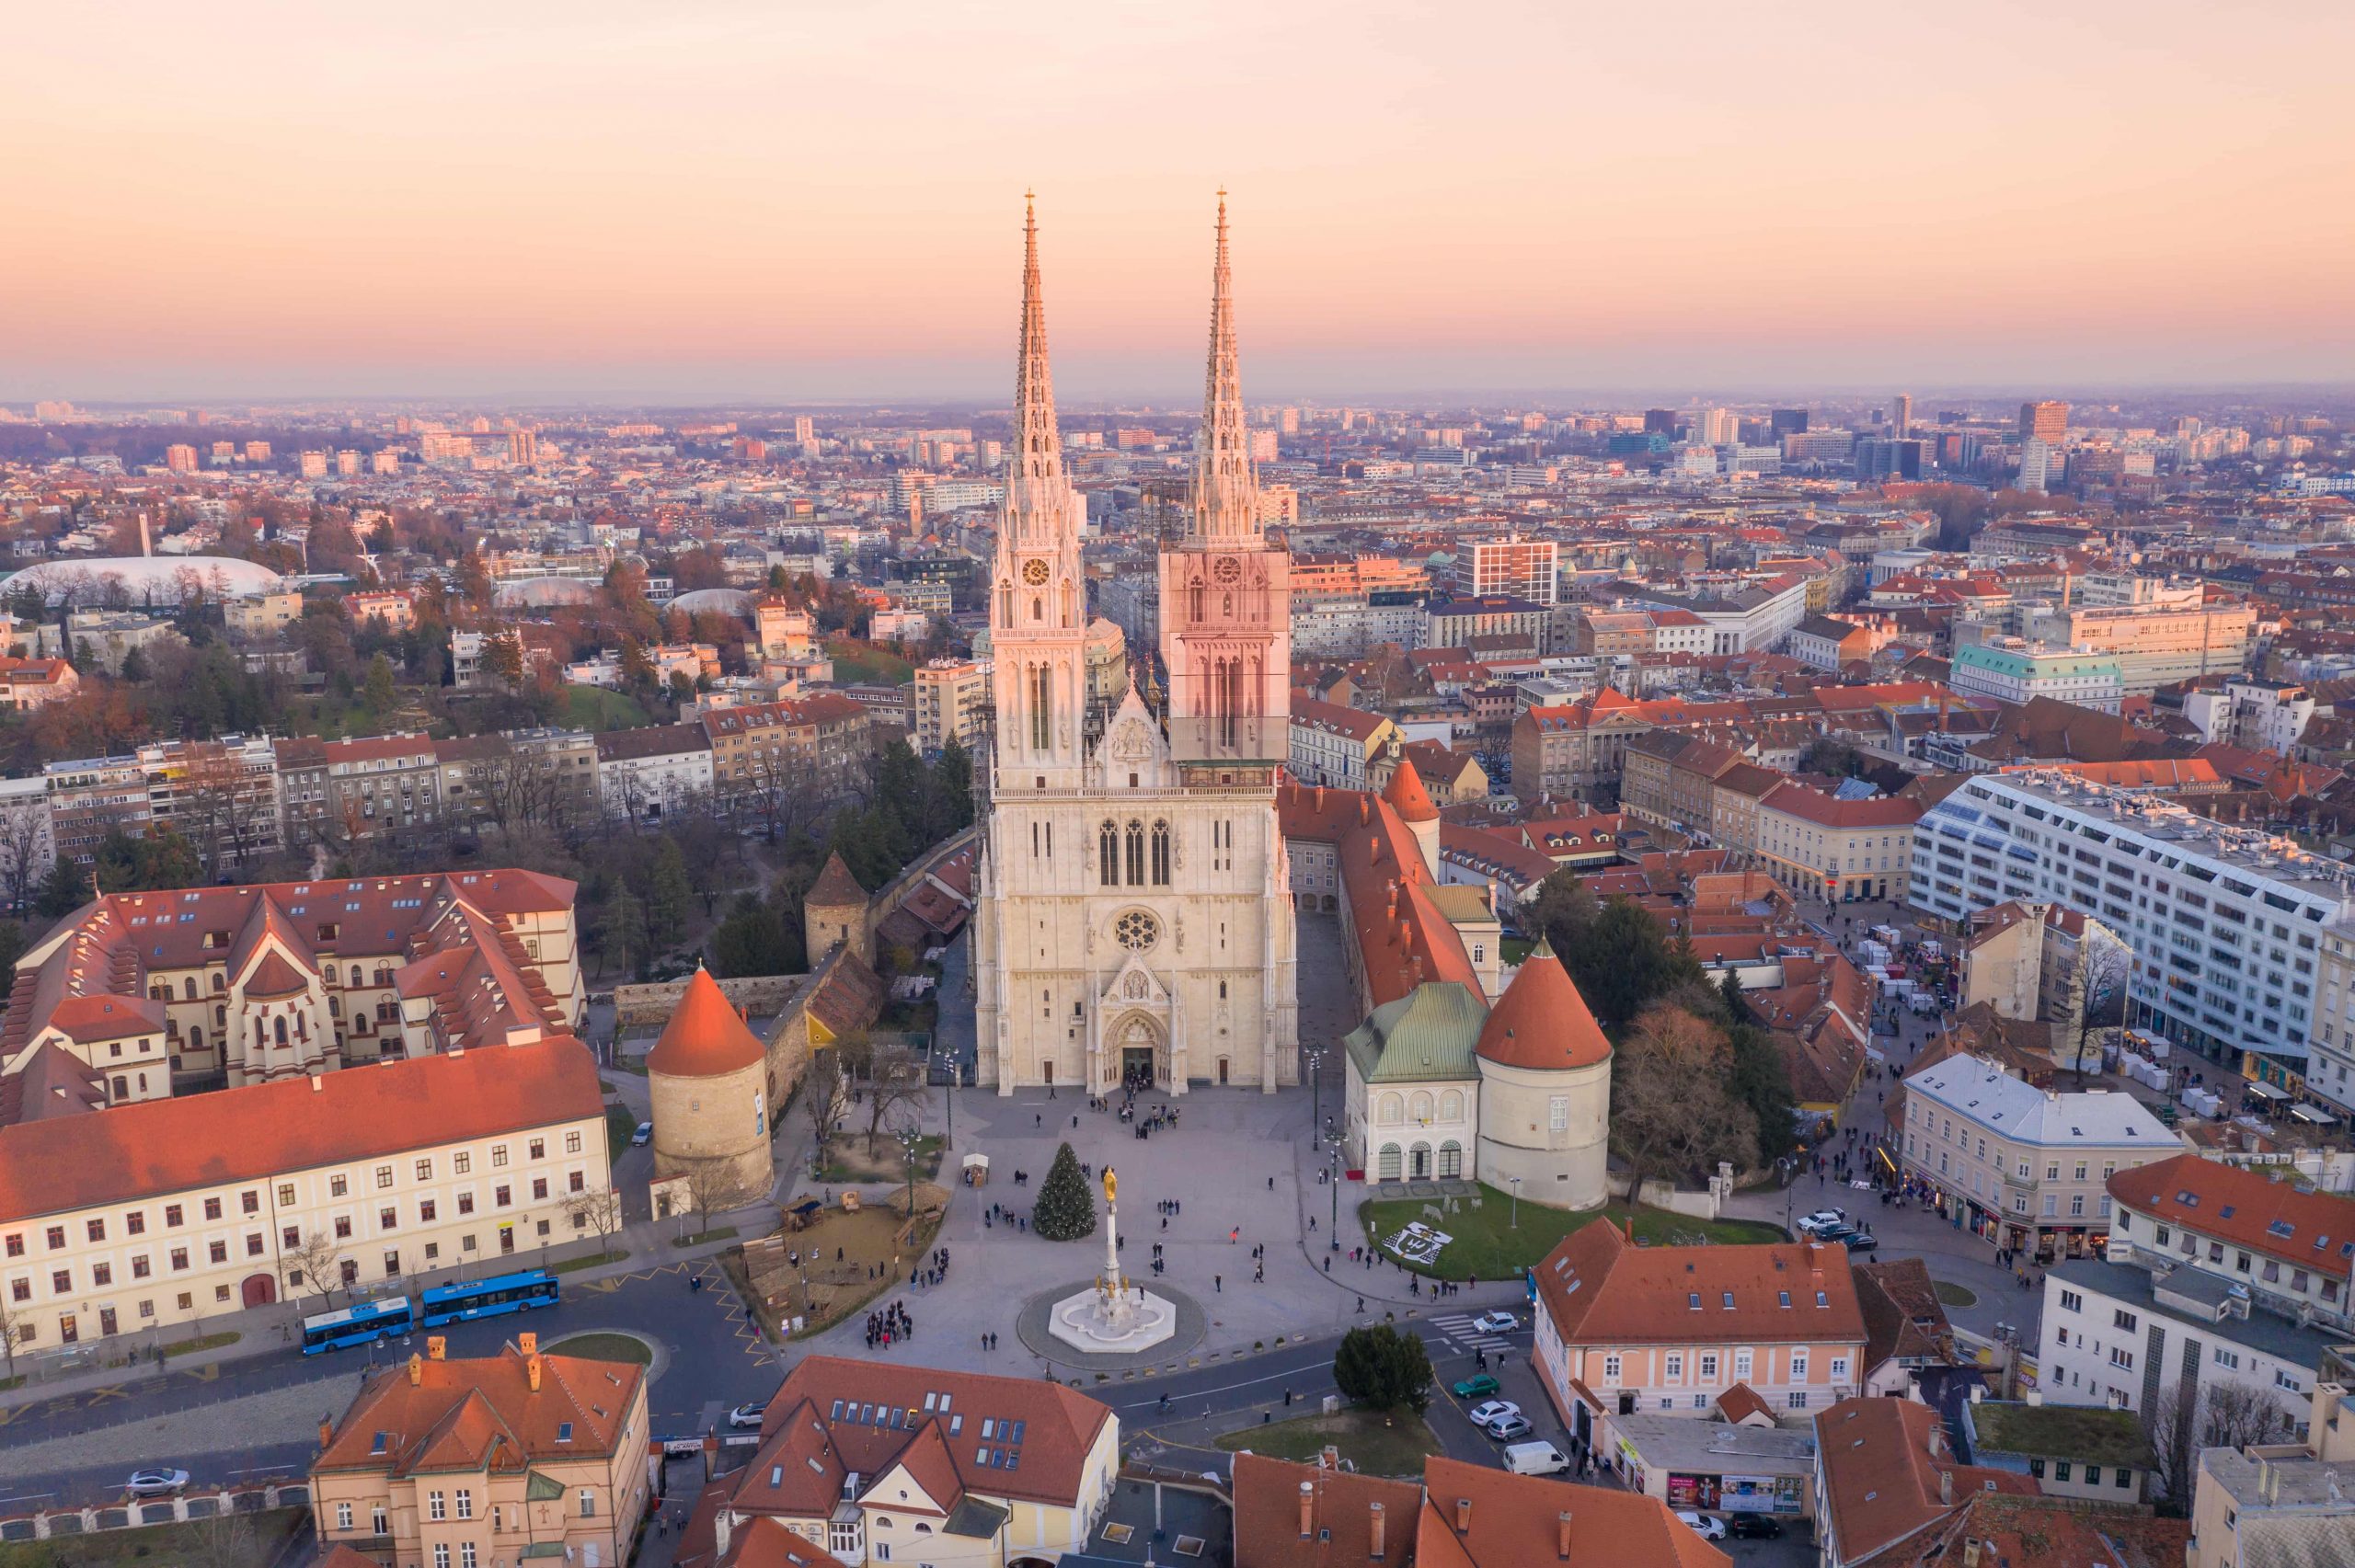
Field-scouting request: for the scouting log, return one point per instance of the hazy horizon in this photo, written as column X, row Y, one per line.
column 746, row 203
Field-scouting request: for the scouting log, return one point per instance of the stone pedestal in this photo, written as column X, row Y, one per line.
column 1112, row 1317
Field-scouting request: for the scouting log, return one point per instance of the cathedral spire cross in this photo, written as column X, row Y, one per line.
column 1226, row 504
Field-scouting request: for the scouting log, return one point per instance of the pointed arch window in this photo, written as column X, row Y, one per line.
column 1161, row 854
column 1041, row 715
column 1108, row 845
column 1136, row 853
column 1195, row 608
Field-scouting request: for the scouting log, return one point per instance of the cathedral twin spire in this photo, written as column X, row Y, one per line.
column 1040, row 504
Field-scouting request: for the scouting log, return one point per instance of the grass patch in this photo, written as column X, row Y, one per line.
column 210, row 1342
column 604, row 1347
column 8, row 1385
column 1378, row 1444
column 1513, row 949
column 621, row 1122
column 573, row 1265
column 863, row 664
column 234, row 1537
column 1952, row 1295
column 724, row 1233
column 594, row 708
column 1488, row 1245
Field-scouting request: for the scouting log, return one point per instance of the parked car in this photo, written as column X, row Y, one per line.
column 1860, row 1243
column 1755, row 1526
column 1480, row 1387
column 643, row 1135
column 1708, row 1526
column 1810, row 1224
column 1495, row 1322
column 1839, row 1232
column 154, row 1482
column 1494, row 1410
column 1511, row 1429
column 747, row 1414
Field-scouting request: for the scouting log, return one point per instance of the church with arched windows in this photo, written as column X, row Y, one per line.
column 1134, row 918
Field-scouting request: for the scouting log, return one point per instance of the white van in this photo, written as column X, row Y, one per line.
column 1535, row 1458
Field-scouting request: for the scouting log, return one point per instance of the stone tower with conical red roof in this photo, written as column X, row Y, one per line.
column 1545, row 1091
column 708, row 1079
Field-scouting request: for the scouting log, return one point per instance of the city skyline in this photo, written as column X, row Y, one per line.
column 617, row 206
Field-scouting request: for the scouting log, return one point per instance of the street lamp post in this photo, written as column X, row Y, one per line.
column 1333, row 1157
column 1515, row 1223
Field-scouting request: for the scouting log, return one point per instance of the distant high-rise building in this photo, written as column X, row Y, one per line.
column 2038, row 460
column 387, row 461
column 1901, row 414
column 180, row 458
column 1660, row 421
column 347, row 464
column 1714, row 426
column 53, row 408
column 1787, row 422
column 1522, row 568
column 523, row 448
column 2047, row 422
column 1263, row 446
column 314, row 465
column 1288, row 421
column 805, row 429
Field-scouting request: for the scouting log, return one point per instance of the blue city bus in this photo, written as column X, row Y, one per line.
column 488, row 1298
column 359, row 1323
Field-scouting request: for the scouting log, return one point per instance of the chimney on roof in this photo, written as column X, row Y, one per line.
column 531, row 1372
column 1374, row 1530
column 1464, row 1516
column 1308, row 1509
column 416, row 1370
column 528, row 1342
column 1946, row 1489
column 1328, row 1458
column 326, row 1433
column 437, row 1348
column 1562, row 1535
column 315, row 1085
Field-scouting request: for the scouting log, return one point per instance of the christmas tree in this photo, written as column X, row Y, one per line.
column 1066, row 1208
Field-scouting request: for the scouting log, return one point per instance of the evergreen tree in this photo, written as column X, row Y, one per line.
column 1622, row 961
column 952, row 790
column 1761, row 1080
column 1382, row 1368
column 380, row 692
column 134, row 665
column 1561, row 912
column 623, row 932
column 667, row 891
column 1066, row 1208
column 66, row 890
column 750, row 941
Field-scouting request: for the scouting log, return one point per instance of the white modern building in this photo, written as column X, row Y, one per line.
column 2254, row 714
column 2225, row 922
column 2120, row 1336
column 2012, row 671
column 2023, row 1168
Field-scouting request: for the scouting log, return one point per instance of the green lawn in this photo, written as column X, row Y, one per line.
column 1396, row 1445
column 593, row 707
column 591, row 1260
column 235, row 1538
column 1488, row 1245
column 620, row 1121
column 171, row 1347
column 865, row 664
column 604, row 1347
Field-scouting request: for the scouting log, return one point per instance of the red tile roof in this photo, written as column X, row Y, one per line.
column 705, row 1038
column 1601, row 1288
column 1882, row 1463
column 465, row 1414
column 1542, row 1022
column 1340, row 1515
column 1407, row 796
column 1475, row 1517
column 153, row 1147
column 2278, row 1219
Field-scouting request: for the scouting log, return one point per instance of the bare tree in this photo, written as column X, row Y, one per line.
column 2097, row 991
column 822, row 1097
column 2240, row 1415
column 1671, row 1105
column 895, row 1078
column 2169, row 1424
column 597, row 1209
column 315, row 1262
column 713, row 1187
column 24, row 862
column 13, row 1332
column 224, row 1539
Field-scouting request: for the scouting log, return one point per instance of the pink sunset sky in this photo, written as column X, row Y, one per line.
column 823, row 200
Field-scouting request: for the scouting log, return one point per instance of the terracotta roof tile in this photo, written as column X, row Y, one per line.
column 704, row 1037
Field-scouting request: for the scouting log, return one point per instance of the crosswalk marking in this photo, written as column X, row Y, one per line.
column 1458, row 1327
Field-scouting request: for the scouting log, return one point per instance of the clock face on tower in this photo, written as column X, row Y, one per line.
column 1035, row 573
column 1226, row 569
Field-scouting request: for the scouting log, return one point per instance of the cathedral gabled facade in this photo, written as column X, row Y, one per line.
column 1134, row 922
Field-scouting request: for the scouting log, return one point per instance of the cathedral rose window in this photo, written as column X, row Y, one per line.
column 1136, row 931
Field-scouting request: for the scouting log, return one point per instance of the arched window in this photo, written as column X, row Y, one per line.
column 1195, row 607
column 1451, row 1161
column 1387, row 1166
column 1222, row 990
column 1041, row 715
column 383, row 974
column 1136, row 853
column 1038, row 608
column 1108, row 843
column 1451, row 1106
column 278, row 1029
column 220, row 982
column 1418, row 1162
column 1393, row 1111
column 220, row 1018
column 196, row 1037
column 1420, row 1106
column 188, row 991
column 1161, row 854
column 355, row 974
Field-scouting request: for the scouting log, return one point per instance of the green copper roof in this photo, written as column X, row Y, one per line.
column 1428, row 1033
